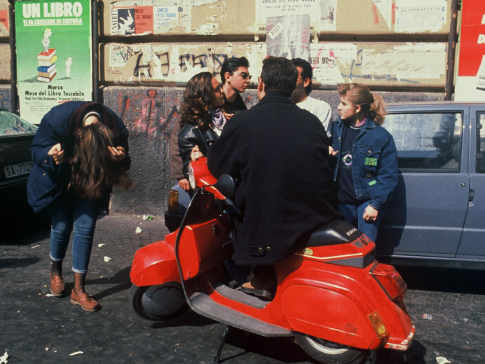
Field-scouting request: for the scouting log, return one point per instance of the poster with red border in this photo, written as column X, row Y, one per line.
column 4, row 22
column 470, row 81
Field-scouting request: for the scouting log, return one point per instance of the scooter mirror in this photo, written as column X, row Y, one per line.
column 226, row 185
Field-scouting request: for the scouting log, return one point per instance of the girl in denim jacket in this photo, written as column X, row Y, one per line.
column 366, row 169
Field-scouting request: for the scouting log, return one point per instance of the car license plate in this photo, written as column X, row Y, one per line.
column 18, row 169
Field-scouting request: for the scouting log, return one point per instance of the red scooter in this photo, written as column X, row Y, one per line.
column 337, row 302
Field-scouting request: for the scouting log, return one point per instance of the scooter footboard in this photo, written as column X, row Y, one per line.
column 154, row 264
column 329, row 314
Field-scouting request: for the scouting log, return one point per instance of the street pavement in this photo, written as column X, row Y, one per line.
column 447, row 307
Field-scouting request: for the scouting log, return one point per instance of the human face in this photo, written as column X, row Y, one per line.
column 218, row 96
column 239, row 80
column 346, row 109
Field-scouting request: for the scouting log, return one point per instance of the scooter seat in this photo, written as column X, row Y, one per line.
column 336, row 232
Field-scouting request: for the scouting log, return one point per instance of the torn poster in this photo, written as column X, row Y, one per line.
column 417, row 16
column 272, row 8
column 288, row 36
column 328, row 15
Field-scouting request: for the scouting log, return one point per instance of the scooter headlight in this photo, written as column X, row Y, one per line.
column 191, row 177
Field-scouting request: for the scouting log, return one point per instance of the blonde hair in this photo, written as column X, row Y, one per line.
column 372, row 104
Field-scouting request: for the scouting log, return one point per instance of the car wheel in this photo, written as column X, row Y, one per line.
column 158, row 303
column 327, row 352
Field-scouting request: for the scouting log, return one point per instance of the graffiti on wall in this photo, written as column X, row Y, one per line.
column 152, row 117
column 333, row 62
column 150, row 113
column 176, row 63
column 153, row 65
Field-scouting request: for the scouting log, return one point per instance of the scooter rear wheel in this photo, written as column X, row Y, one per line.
column 327, row 352
column 158, row 303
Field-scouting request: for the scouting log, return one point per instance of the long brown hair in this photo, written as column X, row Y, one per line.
column 198, row 99
column 372, row 104
column 93, row 171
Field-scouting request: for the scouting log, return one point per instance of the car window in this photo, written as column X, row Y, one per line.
column 481, row 142
column 12, row 124
column 428, row 142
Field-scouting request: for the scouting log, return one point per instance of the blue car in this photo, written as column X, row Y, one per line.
column 436, row 215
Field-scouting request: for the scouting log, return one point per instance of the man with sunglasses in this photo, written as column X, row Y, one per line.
column 235, row 79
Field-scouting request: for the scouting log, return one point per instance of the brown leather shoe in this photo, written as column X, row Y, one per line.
column 86, row 302
column 57, row 285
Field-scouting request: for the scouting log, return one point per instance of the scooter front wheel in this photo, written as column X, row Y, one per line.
column 327, row 352
column 158, row 303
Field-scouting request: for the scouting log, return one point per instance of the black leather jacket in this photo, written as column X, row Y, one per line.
column 189, row 137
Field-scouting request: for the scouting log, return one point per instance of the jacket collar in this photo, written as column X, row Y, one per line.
column 369, row 124
column 276, row 97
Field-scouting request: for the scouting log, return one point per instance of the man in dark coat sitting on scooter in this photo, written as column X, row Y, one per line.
column 278, row 154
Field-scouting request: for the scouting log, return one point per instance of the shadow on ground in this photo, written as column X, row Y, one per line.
column 444, row 280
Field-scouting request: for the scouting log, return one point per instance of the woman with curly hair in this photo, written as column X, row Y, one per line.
column 367, row 170
column 201, row 121
column 80, row 151
column 201, row 124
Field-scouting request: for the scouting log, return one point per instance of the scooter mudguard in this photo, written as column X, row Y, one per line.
column 153, row 265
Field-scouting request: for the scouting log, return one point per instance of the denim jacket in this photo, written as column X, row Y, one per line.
column 374, row 162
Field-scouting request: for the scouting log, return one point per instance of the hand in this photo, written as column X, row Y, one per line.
column 227, row 115
column 57, row 153
column 332, row 151
column 195, row 153
column 117, row 153
column 370, row 214
column 184, row 184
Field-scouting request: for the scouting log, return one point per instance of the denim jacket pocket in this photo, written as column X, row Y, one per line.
column 370, row 158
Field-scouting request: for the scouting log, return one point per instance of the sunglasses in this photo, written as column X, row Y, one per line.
column 245, row 75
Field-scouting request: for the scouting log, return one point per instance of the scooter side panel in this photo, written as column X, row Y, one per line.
column 329, row 313
column 154, row 264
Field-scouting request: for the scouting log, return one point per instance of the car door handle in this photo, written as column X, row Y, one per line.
column 471, row 195
column 463, row 185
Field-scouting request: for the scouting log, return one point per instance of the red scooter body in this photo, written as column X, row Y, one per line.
column 335, row 299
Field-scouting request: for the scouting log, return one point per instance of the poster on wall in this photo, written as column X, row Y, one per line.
column 270, row 8
column 288, row 36
column 53, row 43
column 4, row 26
column 416, row 16
column 470, row 81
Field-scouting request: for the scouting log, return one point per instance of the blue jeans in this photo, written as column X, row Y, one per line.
column 67, row 213
column 184, row 196
column 354, row 215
